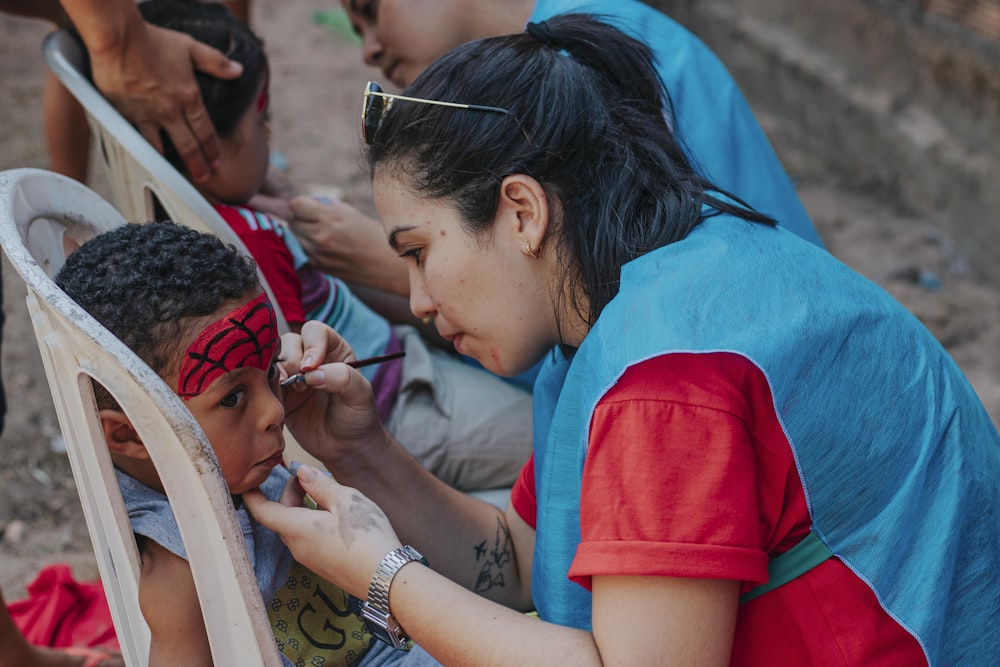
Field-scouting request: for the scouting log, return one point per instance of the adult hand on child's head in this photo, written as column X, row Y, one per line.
column 348, row 244
column 150, row 80
column 333, row 413
column 342, row 542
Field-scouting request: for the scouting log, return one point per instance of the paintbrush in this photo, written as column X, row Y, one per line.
column 357, row 363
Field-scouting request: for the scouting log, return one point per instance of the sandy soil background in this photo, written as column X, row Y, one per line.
column 317, row 81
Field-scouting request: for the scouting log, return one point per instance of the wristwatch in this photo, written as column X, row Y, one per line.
column 375, row 610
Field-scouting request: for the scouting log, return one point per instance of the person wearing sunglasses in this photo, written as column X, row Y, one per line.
column 745, row 453
column 709, row 114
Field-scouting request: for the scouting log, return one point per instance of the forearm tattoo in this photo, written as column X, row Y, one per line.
column 494, row 557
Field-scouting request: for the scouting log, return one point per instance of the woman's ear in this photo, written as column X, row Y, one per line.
column 121, row 436
column 524, row 205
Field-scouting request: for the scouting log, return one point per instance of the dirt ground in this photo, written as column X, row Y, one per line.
column 316, row 97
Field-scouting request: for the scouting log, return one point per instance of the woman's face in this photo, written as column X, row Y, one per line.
column 403, row 37
column 486, row 296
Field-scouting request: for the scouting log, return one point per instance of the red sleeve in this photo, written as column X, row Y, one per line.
column 522, row 496
column 269, row 251
column 688, row 473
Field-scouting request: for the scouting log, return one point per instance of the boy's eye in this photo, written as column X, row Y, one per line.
column 234, row 399
column 412, row 253
column 272, row 371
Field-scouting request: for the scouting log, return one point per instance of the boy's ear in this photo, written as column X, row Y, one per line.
column 121, row 436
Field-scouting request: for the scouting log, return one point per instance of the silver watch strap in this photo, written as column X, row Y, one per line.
column 378, row 590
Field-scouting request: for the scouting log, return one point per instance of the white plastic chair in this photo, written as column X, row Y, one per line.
column 43, row 216
column 137, row 174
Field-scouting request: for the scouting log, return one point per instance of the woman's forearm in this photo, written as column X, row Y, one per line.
column 104, row 25
column 458, row 628
column 465, row 539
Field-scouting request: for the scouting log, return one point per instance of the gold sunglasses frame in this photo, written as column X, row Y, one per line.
column 373, row 89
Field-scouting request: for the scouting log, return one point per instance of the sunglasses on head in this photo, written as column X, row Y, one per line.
column 377, row 104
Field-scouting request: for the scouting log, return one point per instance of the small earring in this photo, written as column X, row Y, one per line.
column 528, row 251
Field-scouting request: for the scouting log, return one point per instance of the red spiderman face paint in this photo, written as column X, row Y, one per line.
column 244, row 337
column 262, row 100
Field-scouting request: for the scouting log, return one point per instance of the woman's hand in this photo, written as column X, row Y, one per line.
column 345, row 243
column 343, row 541
column 333, row 413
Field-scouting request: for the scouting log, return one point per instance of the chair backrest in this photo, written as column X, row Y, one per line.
column 138, row 176
column 43, row 216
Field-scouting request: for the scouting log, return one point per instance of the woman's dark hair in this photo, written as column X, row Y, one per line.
column 211, row 23
column 592, row 106
column 141, row 281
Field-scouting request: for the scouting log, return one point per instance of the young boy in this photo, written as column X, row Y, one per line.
column 192, row 308
column 469, row 428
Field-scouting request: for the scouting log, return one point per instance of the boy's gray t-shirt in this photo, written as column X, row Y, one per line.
column 150, row 515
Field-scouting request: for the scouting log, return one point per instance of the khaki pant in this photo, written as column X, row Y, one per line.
column 467, row 426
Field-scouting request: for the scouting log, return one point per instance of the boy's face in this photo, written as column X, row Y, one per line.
column 228, row 378
column 245, row 155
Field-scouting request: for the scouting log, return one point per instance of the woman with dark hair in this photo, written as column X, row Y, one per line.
column 707, row 111
column 745, row 453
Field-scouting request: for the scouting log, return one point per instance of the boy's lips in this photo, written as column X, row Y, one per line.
column 275, row 460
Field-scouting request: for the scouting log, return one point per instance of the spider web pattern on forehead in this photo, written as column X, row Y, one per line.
column 244, row 337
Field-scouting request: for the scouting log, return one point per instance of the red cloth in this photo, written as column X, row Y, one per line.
column 60, row 612
column 689, row 474
column 261, row 234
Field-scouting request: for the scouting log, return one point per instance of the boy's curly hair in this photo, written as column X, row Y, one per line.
column 141, row 281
